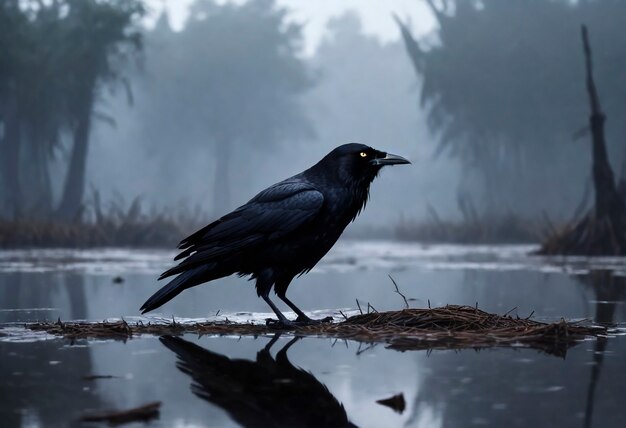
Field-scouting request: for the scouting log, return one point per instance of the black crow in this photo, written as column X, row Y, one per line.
column 281, row 232
column 268, row 392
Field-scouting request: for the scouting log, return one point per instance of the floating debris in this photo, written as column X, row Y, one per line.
column 118, row 280
column 143, row 413
column 396, row 402
column 449, row 327
column 96, row 377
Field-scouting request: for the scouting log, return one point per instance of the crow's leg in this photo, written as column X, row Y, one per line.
column 283, row 322
column 303, row 319
column 264, row 281
column 281, row 356
column 281, row 318
column 281, row 291
column 272, row 341
column 263, row 356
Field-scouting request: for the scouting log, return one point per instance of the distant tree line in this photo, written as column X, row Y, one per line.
column 239, row 71
column 502, row 88
column 228, row 83
column 230, row 80
column 56, row 59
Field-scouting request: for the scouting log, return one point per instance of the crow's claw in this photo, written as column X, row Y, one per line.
column 304, row 321
column 298, row 322
column 281, row 324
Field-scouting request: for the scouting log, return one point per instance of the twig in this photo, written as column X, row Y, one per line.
column 367, row 348
column 510, row 311
column 370, row 306
column 406, row 303
column 359, row 305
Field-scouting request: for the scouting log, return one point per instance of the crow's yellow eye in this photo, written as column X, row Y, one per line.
column 363, row 154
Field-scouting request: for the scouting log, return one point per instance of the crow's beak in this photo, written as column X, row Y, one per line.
column 390, row 159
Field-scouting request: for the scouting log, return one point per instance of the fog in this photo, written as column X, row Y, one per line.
column 364, row 90
column 193, row 107
column 126, row 125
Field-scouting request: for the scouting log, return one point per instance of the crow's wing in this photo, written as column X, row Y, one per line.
column 275, row 212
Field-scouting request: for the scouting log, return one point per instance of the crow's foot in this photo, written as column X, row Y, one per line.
column 284, row 324
column 304, row 320
column 301, row 321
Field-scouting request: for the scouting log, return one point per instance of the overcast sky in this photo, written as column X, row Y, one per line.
column 375, row 15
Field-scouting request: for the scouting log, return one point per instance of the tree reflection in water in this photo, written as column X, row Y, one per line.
column 37, row 380
column 609, row 290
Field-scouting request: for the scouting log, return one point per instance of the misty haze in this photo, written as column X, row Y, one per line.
column 481, row 284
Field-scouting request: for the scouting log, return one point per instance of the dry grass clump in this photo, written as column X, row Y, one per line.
column 121, row 330
column 132, row 225
column 461, row 327
column 590, row 236
column 473, row 230
column 449, row 327
column 49, row 234
column 474, row 227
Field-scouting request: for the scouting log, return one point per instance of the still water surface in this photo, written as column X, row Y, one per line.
column 227, row 381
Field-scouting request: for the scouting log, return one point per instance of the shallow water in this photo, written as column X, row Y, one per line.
column 41, row 378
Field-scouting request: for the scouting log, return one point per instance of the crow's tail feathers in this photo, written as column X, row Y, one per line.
column 173, row 288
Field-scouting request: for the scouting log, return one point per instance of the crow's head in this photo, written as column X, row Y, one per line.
column 358, row 162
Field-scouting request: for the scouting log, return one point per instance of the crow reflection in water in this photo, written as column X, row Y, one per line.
column 268, row 392
column 281, row 232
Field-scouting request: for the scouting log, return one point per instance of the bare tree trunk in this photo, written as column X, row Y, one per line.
column 608, row 202
column 221, row 190
column 74, row 189
column 603, row 230
column 34, row 174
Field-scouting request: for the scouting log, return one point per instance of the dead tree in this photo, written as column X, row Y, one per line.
column 603, row 230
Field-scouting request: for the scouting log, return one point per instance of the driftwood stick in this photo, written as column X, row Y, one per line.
column 115, row 417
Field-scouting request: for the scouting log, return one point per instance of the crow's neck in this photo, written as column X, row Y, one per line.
column 349, row 194
column 360, row 196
